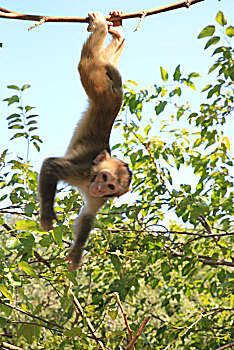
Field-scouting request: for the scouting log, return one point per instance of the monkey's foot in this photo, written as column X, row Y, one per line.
column 115, row 28
column 96, row 19
column 46, row 220
column 75, row 257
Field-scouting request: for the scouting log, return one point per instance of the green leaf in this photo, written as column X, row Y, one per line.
column 230, row 31
column 27, row 239
column 194, row 75
column 160, row 107
column 113, row 313
column 73, row 332
column 132, row 82
column 212, row 41
column 206, row 87
column 13, row 87
column 29, row 332
column 177, row 73
column 36, row 146
column 25, row 86
column 220, row 18
column 221, row 276
column 215, row 65
column 57, row 234
column 19, row 134
column 28, row 269
column 3, row 322
column 29, row 208
column 26, row 225
column 14, row 115
column 28, row 108
column 12, row 99
column 5, row 292
column 207, row 31
column 166, row 268
column 16, row 126
column 227, row 143
column 164, row 74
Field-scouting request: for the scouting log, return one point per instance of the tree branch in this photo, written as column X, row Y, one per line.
column 31, row 315
column 138, row 333
column 89, row 324
column 230, row 345
column 9, row 346
column 4, row 13
column 206, row 260
column 125, row 319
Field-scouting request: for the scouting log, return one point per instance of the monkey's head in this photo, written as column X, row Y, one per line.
column 111, row 178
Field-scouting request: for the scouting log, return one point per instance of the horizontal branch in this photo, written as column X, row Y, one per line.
column 205, row 259
column 4, row 13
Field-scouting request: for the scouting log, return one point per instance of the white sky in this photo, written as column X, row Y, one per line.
column 47, row 56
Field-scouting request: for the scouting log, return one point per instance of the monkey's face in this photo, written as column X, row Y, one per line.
column 112, row 176
column 104, row 184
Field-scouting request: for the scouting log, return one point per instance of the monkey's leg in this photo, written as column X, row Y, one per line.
column 83, row 227
column 52, row 170
column 93, row 46
column 113, row 51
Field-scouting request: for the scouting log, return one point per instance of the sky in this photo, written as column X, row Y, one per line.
column 47, row 56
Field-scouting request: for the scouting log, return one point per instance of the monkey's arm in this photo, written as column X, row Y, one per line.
column 52, row 171
column 83, row 227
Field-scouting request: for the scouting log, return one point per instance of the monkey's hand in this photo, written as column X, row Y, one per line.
column 46, row 220
column 75, row 257
column 96, row 19
column 115, row 28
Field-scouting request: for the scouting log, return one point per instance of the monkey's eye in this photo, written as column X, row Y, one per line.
column 111, row 187
column 104, row 176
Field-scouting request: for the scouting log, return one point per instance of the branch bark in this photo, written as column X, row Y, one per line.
column 9, row 346
column 205, row 259
column 4, row 13
column 138, row 333
column 125, row 319
column 89, row 324
column 31, row 315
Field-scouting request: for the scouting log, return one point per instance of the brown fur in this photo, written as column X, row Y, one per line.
column 85, row 158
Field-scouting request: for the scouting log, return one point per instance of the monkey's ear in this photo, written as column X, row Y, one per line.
column 104, row 155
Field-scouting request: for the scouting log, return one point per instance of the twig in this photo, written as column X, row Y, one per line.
column 141, row 20
column 206, row 260
column 31, row 315
column 89, row 324
column 35, row 324
column 230, row 345
column 138, row 333
column 4, row 13
column 125, row 319
column 9, row 346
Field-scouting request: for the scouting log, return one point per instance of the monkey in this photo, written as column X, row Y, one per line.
column 88, row 164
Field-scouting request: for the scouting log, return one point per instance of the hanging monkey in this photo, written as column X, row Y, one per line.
column 87, row 163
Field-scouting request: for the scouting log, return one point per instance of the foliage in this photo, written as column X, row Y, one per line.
column 167, row 255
